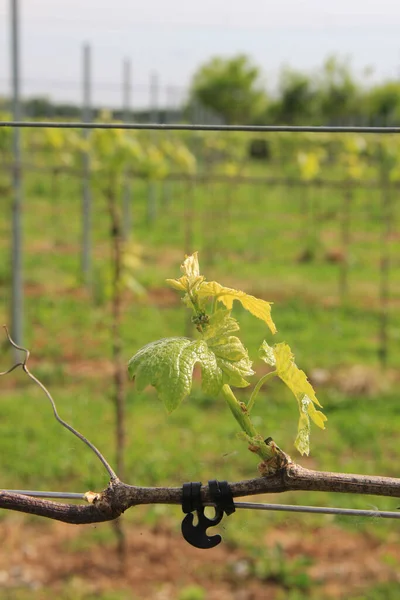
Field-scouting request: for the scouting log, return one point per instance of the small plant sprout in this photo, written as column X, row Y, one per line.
column 168, row 364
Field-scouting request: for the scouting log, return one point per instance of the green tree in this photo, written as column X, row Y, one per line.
column 331, row 94
column 338, row 93
column 383, row 103
column 230, row 88
column 296, row 100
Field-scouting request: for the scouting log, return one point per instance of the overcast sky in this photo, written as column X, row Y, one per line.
column 172, row 37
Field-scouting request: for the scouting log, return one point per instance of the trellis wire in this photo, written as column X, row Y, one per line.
column 194, row 127
column 322, row 510
column 37, row 494
column 319, row 510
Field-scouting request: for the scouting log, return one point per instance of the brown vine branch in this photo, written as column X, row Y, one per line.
column 118, row 496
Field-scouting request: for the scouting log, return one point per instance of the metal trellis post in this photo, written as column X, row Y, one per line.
column 16, row 249
column 154, row 118
column 126, row 111
column 86, row 191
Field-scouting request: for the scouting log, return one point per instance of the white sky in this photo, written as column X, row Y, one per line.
column 172, row 37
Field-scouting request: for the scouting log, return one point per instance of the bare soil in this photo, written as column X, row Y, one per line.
column 37, row 555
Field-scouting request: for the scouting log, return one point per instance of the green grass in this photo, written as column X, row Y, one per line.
column 248, row 237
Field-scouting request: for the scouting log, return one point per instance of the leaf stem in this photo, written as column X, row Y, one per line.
column 241, row 414
column 258, row 387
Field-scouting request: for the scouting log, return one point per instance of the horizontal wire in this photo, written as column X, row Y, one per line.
column 188, row 127
column 37, row 494
column 349, row 512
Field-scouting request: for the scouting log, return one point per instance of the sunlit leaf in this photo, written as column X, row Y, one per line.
column 302, row 441
column 297, row 382
column 288, row 371
column 178, row 284
column 190, row 266
column 191, row 275
column 257, row 307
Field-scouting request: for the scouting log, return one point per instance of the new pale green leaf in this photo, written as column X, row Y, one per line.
column 257, row 307
column 297, row 382
column 302, row 441
column 191, row 277
column 266, row 353
column 288, row 371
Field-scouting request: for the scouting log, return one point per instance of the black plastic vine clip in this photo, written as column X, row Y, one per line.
column 196, row 535
column 221, row 495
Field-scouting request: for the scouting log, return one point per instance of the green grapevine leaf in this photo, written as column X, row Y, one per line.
column 282, row 358
column 231, row 356
column 257, row 307
column 167, row 364
column 211, row 375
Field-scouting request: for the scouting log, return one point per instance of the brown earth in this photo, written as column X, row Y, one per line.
column 160, row 563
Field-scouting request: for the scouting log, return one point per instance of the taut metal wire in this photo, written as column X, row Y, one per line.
column 319, row 510
column 37, row 494
column 188, row 127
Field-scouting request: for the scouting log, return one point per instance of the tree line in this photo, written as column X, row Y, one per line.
column 234, row 91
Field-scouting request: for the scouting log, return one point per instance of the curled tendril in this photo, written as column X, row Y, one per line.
column 24, row 367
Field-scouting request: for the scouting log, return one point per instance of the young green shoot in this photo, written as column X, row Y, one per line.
column 168, row 364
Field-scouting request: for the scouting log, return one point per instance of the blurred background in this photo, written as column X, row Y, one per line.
column 93, row 222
